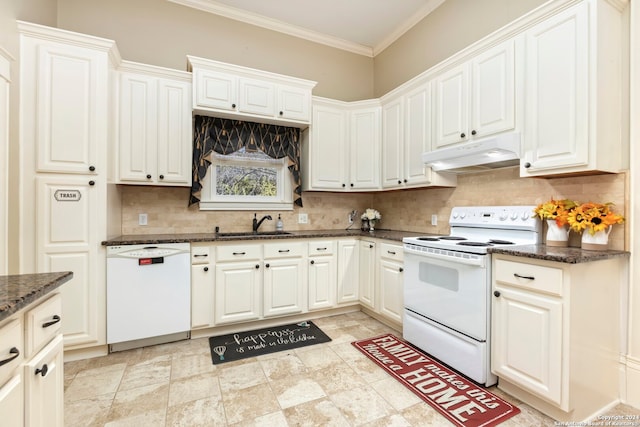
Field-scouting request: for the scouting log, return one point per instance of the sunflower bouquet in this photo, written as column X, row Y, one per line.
column 593, row 217
column 557, row 210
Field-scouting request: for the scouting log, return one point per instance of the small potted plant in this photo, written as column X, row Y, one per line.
column 371, row 216
column 556, row 214
column 594, row 221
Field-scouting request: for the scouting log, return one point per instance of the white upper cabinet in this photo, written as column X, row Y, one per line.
column 71, row 104
column 573, row 92
column 477, row 98
column 341, row 148
column 406, row 134
column 232, row 91
column 154, row 126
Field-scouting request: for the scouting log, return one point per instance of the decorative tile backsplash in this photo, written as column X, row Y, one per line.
column 408, row 210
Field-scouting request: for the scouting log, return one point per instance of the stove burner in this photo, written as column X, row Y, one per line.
column 453, row 238
column 474, row 244
column 429, row 239
column 501, row 242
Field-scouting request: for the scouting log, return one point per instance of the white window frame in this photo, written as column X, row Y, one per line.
column 282, row 201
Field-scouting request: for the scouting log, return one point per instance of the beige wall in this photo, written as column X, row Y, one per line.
column 451, row 27
column 401, row 210
column 162, row 33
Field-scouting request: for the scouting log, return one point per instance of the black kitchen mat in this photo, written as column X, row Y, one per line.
column 230, row 347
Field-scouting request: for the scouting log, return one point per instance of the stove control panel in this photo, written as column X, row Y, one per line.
column 509, row 217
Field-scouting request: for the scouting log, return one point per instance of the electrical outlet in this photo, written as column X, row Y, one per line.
column 303, row 218
column 142, row 219
column 434, row 219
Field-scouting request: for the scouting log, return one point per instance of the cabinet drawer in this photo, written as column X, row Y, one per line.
column 201, row 254
column 239, row 252
column 285, row 249
column 393, row 252
column 529, row 276
column 42, row 324
column 321, row 247
column 11, row 348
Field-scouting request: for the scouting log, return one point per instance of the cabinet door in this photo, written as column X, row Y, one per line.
column 283, row 286
column 256, row 97
column 44, row 386
column 215, row 90
column 202, row 296
column 68, row 220
column 237, row 296
column 531, row 359
column 364, row 170
column 12, row 402
column 366, row 280
column 392, row 144
column 5, row 86
column 348, row 271
column 557, row 91
column 293, row 103
column 391, row 286
column 174, row 144
column 418, row 135
column 322, row 282
column 451, row 106
column 493, row 98
column 71, row 107
column 328, row 152
column 138, row 129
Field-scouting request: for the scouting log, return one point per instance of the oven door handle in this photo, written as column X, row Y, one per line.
column 450, row 256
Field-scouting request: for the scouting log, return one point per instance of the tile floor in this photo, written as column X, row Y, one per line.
column 330, row 384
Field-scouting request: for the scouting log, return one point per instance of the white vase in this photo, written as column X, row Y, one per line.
column 372, row 224
column 557, row 235
column 596, row 242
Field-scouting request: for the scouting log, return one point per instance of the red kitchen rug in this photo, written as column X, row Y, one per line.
column 459, row 400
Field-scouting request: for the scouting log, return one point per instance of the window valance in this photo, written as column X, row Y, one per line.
column 226, row 136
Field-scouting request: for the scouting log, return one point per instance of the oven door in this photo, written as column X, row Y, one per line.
column 451, row 290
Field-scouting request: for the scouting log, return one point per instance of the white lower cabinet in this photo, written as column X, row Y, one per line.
column 348, row 271
column 367, row 276
column 31, row 369
column 44, row 382
column 202, row 286
column 390, row 281
column 322, row 274
column 546, row 319
column 238, row 293
column 284, row 278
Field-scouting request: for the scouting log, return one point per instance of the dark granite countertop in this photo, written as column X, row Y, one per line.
column 558, row 254
column 20, row 290
column 148, row 239
column 541, row 252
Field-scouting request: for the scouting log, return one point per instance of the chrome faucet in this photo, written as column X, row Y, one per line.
column 256, row 223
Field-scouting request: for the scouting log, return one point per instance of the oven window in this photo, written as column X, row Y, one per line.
column 437, row 275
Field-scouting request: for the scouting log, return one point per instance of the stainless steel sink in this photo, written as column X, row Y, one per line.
column 252, row 234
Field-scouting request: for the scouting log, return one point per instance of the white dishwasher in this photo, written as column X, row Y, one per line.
column 148, row 294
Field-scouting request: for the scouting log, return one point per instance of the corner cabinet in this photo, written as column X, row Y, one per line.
column 341, row 148
column 233, row 91
column 65, row 81
column 543, row 325
column 573, row 92
column 154, row 126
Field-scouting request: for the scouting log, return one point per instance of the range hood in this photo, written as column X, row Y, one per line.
column 474, row 156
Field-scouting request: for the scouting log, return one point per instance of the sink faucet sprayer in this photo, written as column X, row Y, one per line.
column 256, row 223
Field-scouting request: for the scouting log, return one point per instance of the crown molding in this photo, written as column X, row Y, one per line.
column 407, row 25
column 242, row 15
